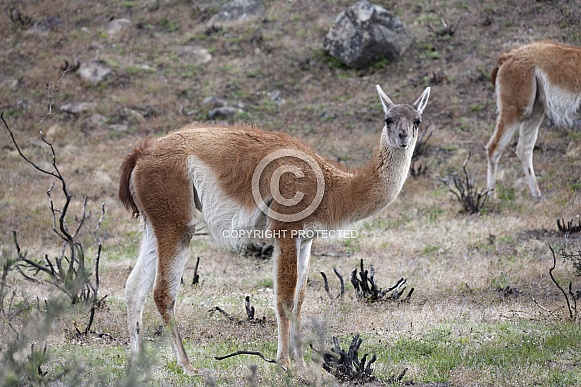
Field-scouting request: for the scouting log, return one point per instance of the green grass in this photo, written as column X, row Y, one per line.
column 505, row 353
column 508, row 348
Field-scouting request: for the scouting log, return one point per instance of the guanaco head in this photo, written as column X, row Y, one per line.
column 402, row 121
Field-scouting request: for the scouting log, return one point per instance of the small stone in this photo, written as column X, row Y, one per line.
column 213, row 102
column 115, row 26
column 78, row 107
column 237, row 12
column 94, row 71
column 224, row 112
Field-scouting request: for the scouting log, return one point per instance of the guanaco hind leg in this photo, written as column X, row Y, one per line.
column 529, row 130
column 286, row 274
column 304, row 257
column 506, row 127
column 161, row 260
column 139, row 285
column 173, row 252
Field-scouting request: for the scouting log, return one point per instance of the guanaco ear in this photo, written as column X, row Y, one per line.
column 385, row 101
column 421, row 103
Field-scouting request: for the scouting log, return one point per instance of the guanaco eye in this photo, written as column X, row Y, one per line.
column 388, row 121
column 417, row 123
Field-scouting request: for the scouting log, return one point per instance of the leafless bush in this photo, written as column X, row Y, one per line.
column 569, row 227
column 417, row 168
column 471, row 198
column 364, row 284
column 346, row 365
column 446, row 29
column 422, row 145
column 249, row 313
column 570, row 295
column 18, row 19
column 258, row 250
column 67, row 272
column 7, row 264
column 341, row 284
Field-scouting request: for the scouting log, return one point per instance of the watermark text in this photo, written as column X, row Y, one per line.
column 301, row 234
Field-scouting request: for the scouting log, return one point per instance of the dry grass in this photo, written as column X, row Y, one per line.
column 459, row 265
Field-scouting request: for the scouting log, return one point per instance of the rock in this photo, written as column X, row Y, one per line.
column 95, row 71
column 95, row 120
column 213, row 102
column 119, row 128
column 276, row 97
column 197, row 55
column 78, row 107
column 44, row 26
column 135, row 116
column 224, row 112
column 9, row 83
column 237, row 12
column 364, row 33
column 115, row 26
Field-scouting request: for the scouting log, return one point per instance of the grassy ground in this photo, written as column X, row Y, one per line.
column 471, row 320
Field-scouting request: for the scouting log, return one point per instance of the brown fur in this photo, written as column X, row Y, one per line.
column 501, row 59
column 125, row 171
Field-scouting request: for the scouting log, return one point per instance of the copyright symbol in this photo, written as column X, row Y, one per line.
column 288, row 180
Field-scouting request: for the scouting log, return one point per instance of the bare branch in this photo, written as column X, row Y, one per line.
column 342, row 283
column 254, row 353
column 217, row 308
column 571, row 315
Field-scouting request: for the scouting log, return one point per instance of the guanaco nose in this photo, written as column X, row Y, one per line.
column 404, row 138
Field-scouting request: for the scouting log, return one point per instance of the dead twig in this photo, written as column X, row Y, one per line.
column 196, row 279
column 422, row 145
column 364, row 284
column 341, row 284
column 346, row 365
column 447, row 29
column 467, row 194
column 571, row 303
column 217, row 308
column 542, row 307
column 249, row 309
column 569, row 227
column 253, row 353
column 250, row 312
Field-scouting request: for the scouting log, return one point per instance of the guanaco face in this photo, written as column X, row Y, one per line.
column 530, row 81
column 249, row 184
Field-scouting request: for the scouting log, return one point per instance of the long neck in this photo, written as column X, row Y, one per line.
column 373, row 187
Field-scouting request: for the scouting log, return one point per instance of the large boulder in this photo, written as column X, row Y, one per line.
column 364, row 33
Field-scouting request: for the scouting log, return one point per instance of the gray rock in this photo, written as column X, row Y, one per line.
column 119, row 128
column 276, row 97
column 224, row 112
column 134, row 115
column 94, row 71
column 44, row 26
column 9, row 83
column 115, row 26
column 94, row 121
column 198, row 55
column 78, row 107
column 364, row 33
column 213, row 102
column 237, row 12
